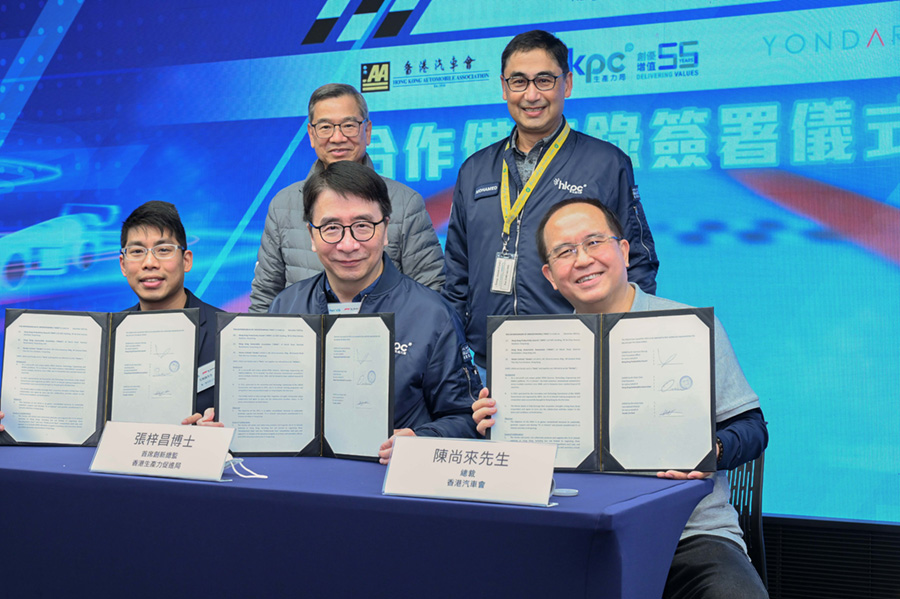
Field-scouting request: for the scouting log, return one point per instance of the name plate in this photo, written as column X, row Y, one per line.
column 471, row 470
column 169, row 450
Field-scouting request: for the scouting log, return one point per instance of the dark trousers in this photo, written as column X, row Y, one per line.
column 711, row 567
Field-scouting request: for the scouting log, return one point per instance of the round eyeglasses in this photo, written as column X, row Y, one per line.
column 544, row 83
column 324, row 129
column 163, row 251
column 569, row 252
column 361, row 230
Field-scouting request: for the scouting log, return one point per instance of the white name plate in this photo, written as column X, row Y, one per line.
column 206, row 376
column 169, row 450
column 471, row 470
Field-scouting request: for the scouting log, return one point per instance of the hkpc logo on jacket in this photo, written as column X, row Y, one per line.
column 566, row 186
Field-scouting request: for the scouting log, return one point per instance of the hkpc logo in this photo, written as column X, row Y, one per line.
column 599, row 67
column 400, row 349
column 565, row 186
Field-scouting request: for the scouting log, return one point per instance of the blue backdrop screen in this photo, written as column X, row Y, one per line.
column 765, row 137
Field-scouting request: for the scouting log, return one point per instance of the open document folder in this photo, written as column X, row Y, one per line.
column 306, row 384
column 614, row 392
column 66, row 373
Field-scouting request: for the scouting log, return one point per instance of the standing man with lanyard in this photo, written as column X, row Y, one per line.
column 502, row 192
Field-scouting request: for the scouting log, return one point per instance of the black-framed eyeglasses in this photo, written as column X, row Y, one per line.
column 544, row 83
column 361, row 230
column 163, row 251
column 569, row 252
column 324, row 129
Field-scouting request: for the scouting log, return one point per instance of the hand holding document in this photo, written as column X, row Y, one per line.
column 64, row 373
column 661, row 381
column 614, row 392
column 306, row 384
column 359, row 361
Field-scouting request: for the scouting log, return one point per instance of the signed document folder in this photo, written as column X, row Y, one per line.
column 308, row 385
column 66, row 373
column 631, row 392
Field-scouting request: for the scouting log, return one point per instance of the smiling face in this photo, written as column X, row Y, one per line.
column 350, row 265
column 159, row 284
column 591, row 283
column 537, row 113
column 339, row 147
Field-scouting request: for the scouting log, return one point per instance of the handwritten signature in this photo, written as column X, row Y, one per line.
column 667, row 361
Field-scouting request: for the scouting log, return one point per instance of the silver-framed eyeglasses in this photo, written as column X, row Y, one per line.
column 361, row 230
column 163, row 251
column 518, row 83
column 324, row 129
column 592, row 246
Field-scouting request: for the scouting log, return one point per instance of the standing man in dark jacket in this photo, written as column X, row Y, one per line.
column 502, row 192
column 339, row 129
column 347, row 208
column 154, row 259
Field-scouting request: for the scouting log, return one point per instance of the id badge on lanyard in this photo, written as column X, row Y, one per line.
column 505, row 262
column 504, row 273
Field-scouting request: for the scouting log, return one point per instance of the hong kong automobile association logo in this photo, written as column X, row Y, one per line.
column 375, row 77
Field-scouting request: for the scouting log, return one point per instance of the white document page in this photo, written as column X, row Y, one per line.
column 659, row 392
column 542, row 376
column 357, row 367
column 154, row 374
column 51, row 378
column 267, row 383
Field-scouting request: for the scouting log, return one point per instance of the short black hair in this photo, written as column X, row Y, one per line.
column 534, row 40
column 337, row 90
column 345, row 178
column 155, row 214
column 611, row 220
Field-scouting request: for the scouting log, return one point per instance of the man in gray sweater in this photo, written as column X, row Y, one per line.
column 339, row 129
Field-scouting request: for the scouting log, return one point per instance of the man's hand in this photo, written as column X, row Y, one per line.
column 483, row 411
column 1, row 418
column 205, row 419
column 387, row 448
column 675, row 474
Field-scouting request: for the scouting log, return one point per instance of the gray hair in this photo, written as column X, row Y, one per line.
column 337, row 90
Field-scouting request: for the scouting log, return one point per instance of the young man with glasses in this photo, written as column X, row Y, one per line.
column 347, row 209
column 502, row 191
column 339, row 129
column 154, row 258
column 586, row 258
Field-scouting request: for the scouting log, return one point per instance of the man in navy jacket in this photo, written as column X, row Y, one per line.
column 156, row 275
column 529, row 166
column 347, row 208
column 157, row 278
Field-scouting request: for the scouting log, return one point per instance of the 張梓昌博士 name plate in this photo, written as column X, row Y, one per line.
column 168, row 450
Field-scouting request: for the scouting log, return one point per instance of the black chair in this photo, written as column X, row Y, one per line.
column 746, row 496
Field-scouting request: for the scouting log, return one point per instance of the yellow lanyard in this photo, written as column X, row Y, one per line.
column 511, row 213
